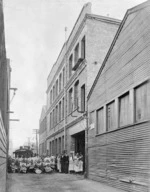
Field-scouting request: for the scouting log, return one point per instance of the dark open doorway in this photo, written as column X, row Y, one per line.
column 80, row 142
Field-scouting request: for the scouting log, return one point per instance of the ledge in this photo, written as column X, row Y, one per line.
column 133, row 182
column 124, row 127
column 77, row 64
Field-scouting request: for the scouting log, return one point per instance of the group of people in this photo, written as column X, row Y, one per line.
column 70, row 164
column 63, row 163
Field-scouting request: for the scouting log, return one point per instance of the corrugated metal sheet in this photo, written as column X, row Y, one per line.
column 121, row 157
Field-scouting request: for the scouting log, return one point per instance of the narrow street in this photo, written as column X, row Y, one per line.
column 54, row 183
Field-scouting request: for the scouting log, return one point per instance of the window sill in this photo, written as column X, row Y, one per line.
column 123, row 127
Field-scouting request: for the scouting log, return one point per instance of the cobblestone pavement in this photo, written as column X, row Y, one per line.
column 55, row 182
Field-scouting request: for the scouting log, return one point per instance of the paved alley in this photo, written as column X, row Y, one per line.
column 54, row 183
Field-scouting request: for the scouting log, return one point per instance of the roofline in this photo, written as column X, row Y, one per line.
column 70, row 34
column 128, row 12
column 87, row 16
column 103, row 18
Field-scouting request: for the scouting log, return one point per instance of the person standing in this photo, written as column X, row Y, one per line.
column 71, row 163
column 80, row 163
column 58, row 163
column 76, row 163
column 66, row 162
column 62, row 163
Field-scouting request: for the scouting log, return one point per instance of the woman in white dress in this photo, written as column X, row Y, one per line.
column 58, row 163
column 80, row 163
column 76, row 163
column 71, row 163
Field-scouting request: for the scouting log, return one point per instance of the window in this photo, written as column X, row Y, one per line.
column 57, row 87
column 63, row 107
column 53, row 119
column 83, row 48
column 50, row 120
column 53, row 150
column 51, row 97
column 62, row 143
column 56, row 117
column 76, row 94
column 55, row 146
column 60, row 82
column 59, row 111
column 50, row 148
column 70, row 100
column 70, row 65
column 110, row 116
column 59, row 145
column 63, row 77
column 83, row 98
column 91, row 118
column 124, row 110
column 141, row 102
column 100, row 128
column 53, row 93
column 76, row 53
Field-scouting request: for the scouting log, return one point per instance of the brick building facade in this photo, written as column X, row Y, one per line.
column 71, row 78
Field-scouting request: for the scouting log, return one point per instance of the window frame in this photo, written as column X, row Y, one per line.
column 134, row 91
column 76, row 53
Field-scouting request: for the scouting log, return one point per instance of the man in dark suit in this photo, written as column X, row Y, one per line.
column 62, row 162
column 66, row 162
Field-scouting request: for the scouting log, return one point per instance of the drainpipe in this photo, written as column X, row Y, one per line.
column 65, row 94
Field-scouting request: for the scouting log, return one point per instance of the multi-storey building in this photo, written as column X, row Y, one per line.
column 71, row 78
column 42, row 132
column 119, row 108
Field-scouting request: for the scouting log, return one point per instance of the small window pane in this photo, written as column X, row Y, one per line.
column 141, row 103
column 111, row 116
column 100, row 121
column 124, row 110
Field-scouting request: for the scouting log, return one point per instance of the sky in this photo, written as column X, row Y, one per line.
column 34, row 35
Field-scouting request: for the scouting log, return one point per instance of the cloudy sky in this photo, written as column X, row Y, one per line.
column 34, row 31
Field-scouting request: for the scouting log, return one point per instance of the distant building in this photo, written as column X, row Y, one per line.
column 71, row 78
column 42, row 133
column 119, row 108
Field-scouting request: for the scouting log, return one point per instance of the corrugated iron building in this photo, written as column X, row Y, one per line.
column 71, row 78
column 119, row 108
column 4, row 103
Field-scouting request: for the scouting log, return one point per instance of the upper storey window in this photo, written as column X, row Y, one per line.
column 60, row 82
column 70, row 65
column 53, row 93
column 57, row 87
column 51, row 97
column 83, row 48
column 76, row 53
column 63, row 77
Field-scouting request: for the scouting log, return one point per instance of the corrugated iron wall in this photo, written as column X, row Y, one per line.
column 3, row 152
column 121, row 158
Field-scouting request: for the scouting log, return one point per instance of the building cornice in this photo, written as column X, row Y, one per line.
column 75, row 37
